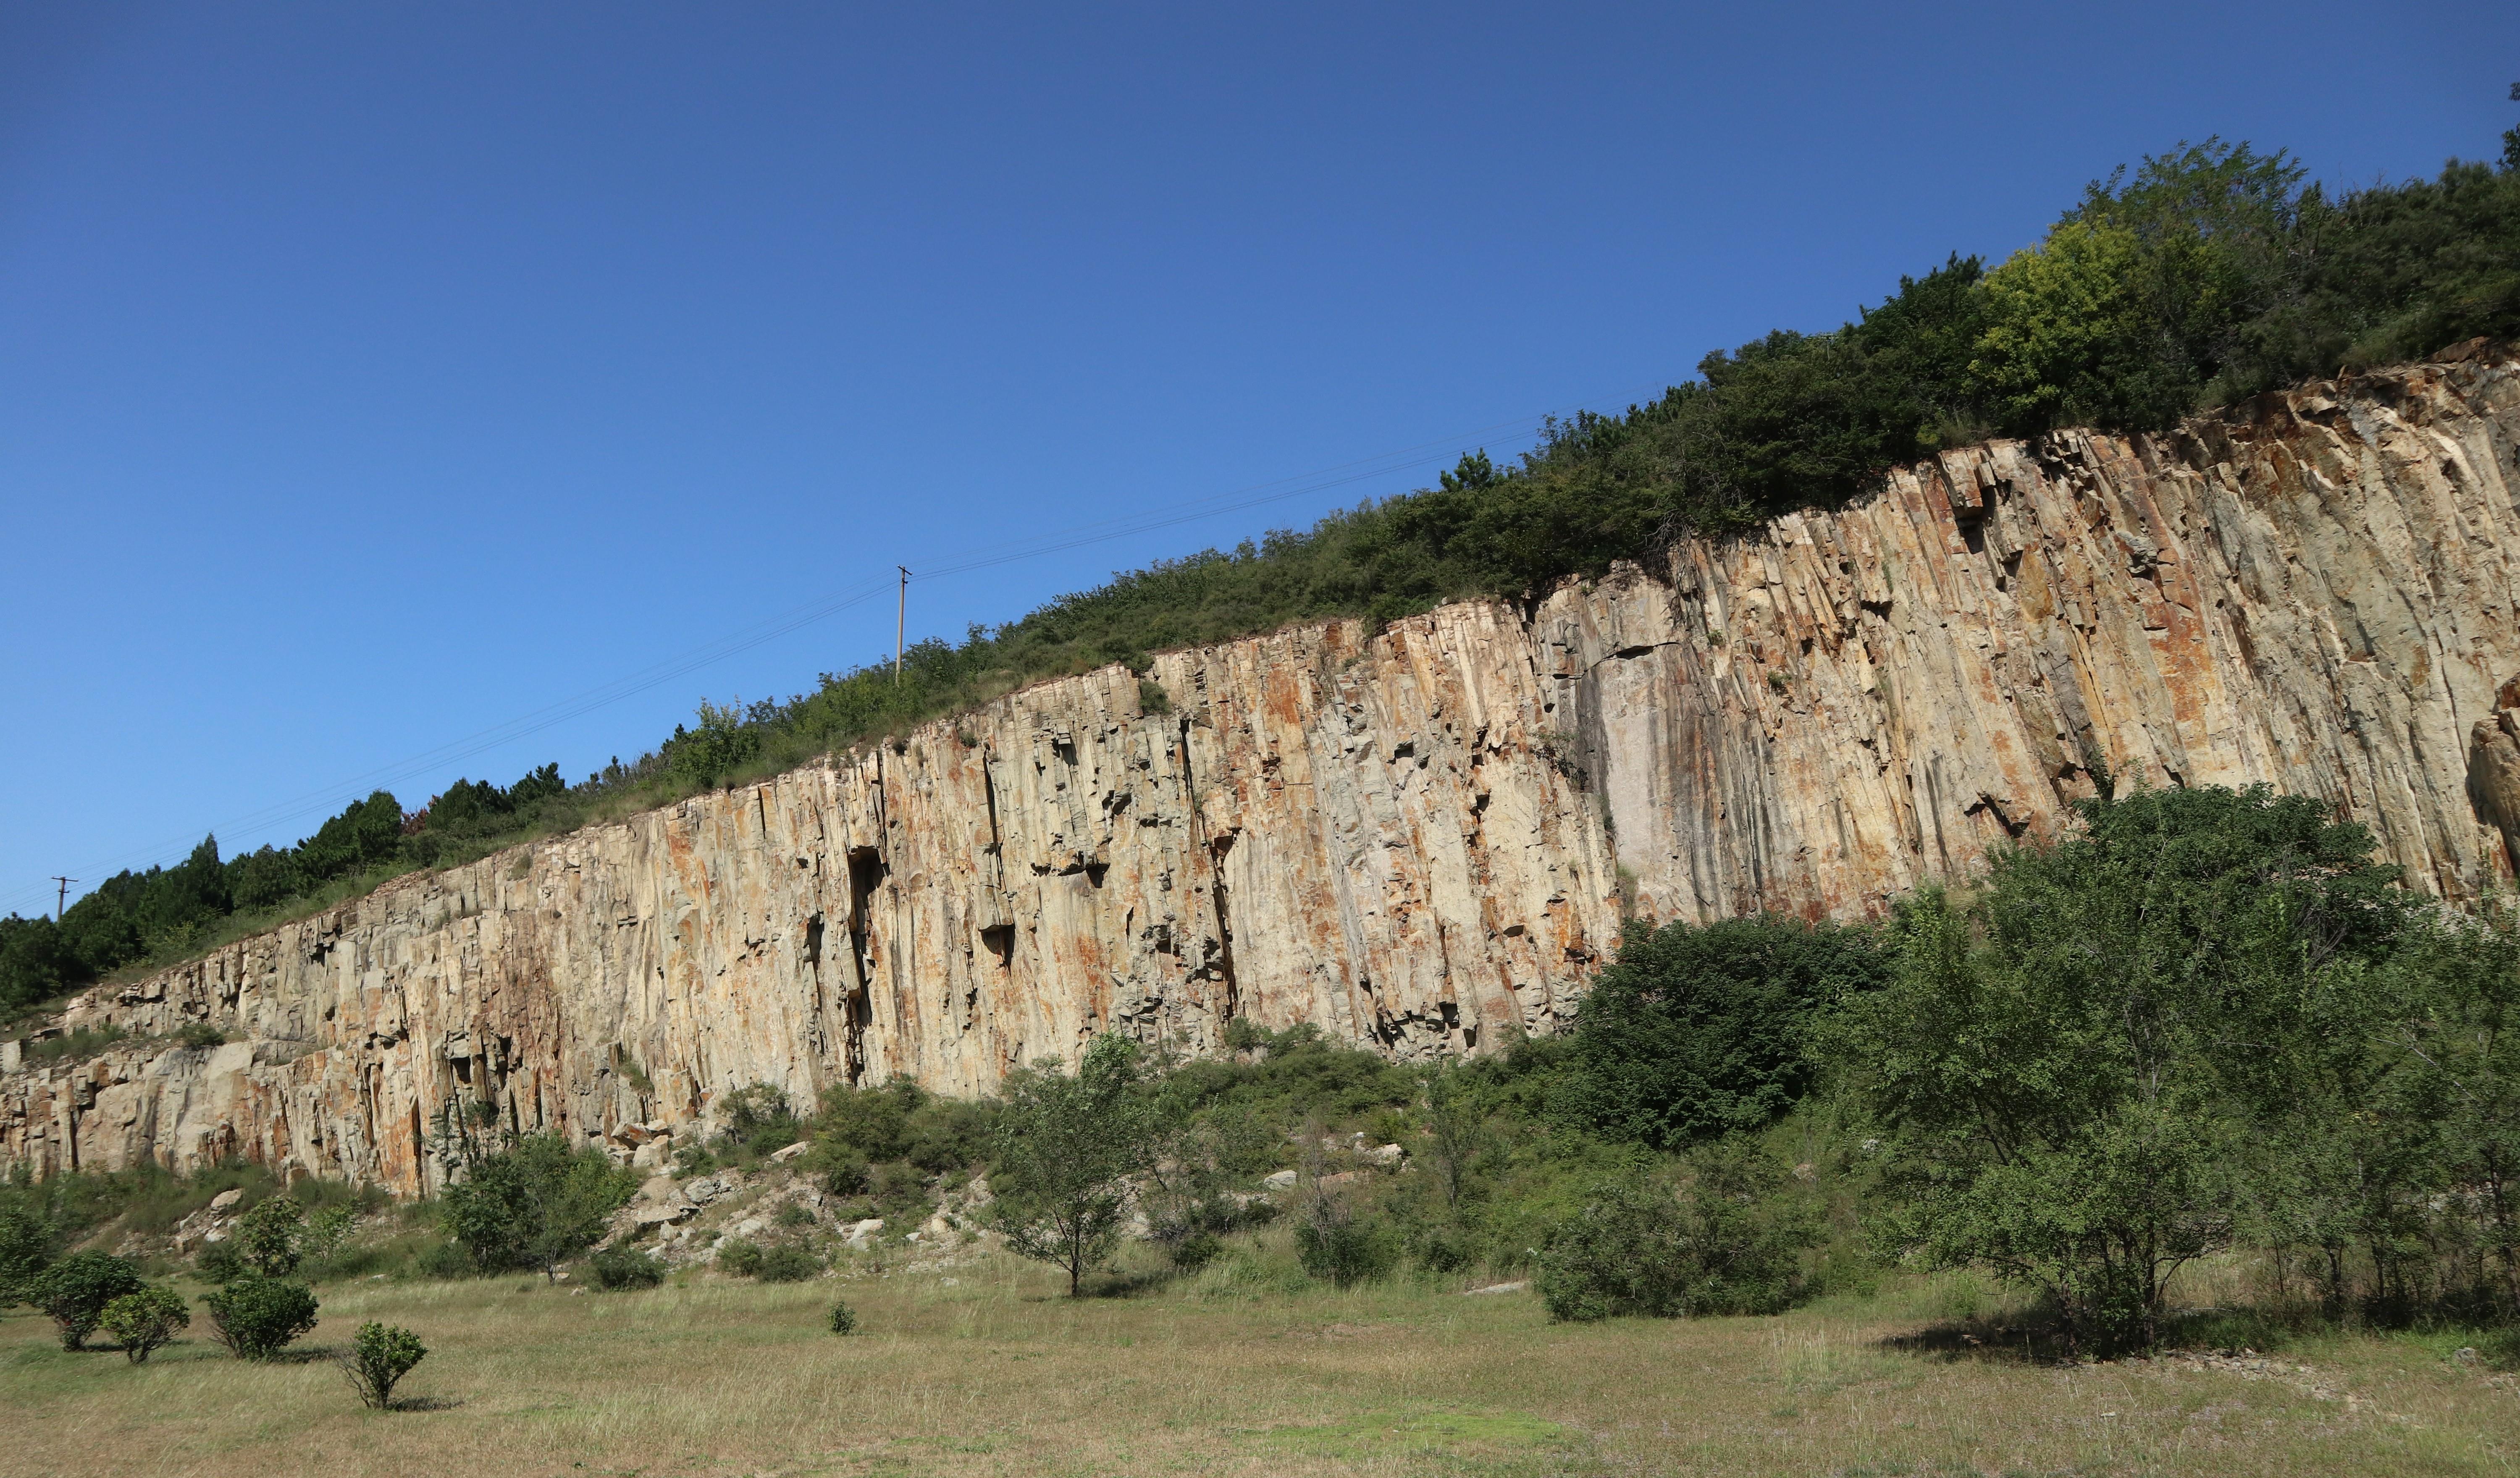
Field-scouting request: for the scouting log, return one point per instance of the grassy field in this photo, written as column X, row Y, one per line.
column 982, row 1368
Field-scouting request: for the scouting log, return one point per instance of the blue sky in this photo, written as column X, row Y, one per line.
column 374, row 375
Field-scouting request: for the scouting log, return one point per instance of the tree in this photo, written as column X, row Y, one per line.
column 2073, row 1072
column 26, row 1241
column 534, row 1204
column 271, row 1237
column 1066, row 1149
column 1456, row 1128
column 1696, row 1031
column 75, row 1291
column 143, row 1323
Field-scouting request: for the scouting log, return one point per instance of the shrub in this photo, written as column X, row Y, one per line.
column 220, row 1263
column 379, row 1357
column 142, row 1322
column 200, row 1035
column 844, row 1320
column 740, row 1256
column 443, row 1261
column 787, row 1263
column 1337, row 1246
column 1195, row 1251
column 271, row 1237
column 617, row 1268
column 75, row 1291
column 1731, row 1247
column 255, row 1316
column 794, row 1214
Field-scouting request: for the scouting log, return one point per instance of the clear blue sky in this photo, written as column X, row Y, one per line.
column 374, row 374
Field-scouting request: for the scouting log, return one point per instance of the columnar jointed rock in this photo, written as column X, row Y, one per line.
column 1421, row 840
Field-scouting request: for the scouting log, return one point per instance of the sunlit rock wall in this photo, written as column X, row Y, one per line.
column 1421, row 840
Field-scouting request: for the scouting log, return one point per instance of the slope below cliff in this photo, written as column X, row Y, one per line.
column 1421, row 838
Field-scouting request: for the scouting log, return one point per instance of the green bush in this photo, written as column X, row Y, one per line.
column 255, row 1317
column 200, row 1035
column 787, row 1263
column 444, row 1260
column 1338, row 1246
column 142, row 1322
column 844, row 1320
column 380, row 1357
column 617, row 1268
column 75, row 1291
column 535, row 1203
column 740, row 1256
column 1702, row 1030
column 220, row 1262
column 1728, row 1246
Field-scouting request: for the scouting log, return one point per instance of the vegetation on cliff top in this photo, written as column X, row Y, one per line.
column 2201, row 276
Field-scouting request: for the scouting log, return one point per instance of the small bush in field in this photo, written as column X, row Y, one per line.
column 255, row 1316
column 379, row 1357
column 1728, row 1246
column 739, row 1257
column 787, row 1263
column 844, row 1320
column 76, row 1290
column 622, row 1268
column 145, row 1320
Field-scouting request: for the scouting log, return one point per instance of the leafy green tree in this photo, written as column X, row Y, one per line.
column 534, row 1204
column 271, row 1237
column 143, row 1323
column 26, row 1241
column 75, row 1291
column 2073, row 1070
column 1696, row 1031
column 1067, row 1146
column 256, row 1316
column 378, row 1357
column 35, row 962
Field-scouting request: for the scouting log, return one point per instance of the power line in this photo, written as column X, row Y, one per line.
column 771, row 628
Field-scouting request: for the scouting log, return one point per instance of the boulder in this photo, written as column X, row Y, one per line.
column 782, row 1156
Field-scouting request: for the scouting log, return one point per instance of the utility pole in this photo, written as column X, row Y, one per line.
column 900, row 623
column 62, row 895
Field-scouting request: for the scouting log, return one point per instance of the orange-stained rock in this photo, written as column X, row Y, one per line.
column 1420, row 838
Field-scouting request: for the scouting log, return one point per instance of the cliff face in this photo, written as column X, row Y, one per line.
column 1420, row 839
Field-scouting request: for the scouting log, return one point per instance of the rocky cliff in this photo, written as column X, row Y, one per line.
column 1421, row 838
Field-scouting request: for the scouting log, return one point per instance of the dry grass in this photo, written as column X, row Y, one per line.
column 993, row 1375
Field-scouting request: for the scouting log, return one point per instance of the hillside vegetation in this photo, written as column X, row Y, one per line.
column 2198, row 277
column 2203, row 1042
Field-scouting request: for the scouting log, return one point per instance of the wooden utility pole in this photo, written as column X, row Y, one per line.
column 900, row 623
column 62, row 895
